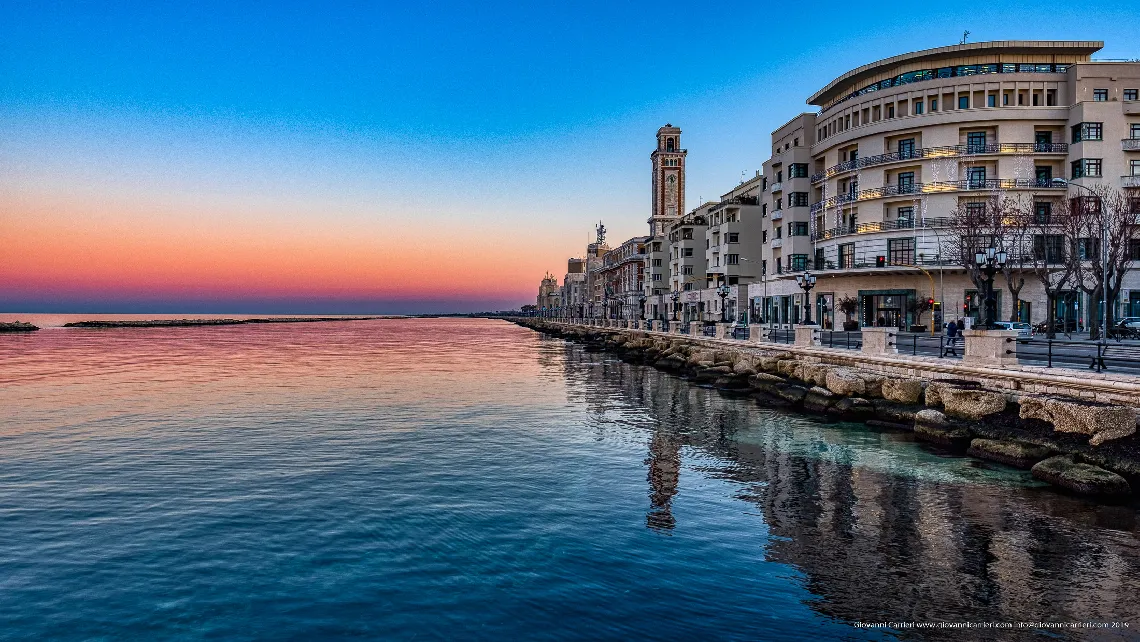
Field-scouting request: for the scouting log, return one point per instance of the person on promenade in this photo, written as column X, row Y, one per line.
column 951, row 339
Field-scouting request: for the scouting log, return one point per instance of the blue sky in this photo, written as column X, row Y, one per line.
column 517, row 125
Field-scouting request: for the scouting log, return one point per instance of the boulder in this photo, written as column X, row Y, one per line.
column 935, row 427
column 768, row 364
column 907, row 391
column 791, row 393
column 872, row 383
column 786, row 367
column 819, row 399
column 1086, row 479
column 853, row 409
column 743, row 368
column 845, row 382
column 1008, row 452
column 815, row 373
column 971, row 404
column 1103, row 423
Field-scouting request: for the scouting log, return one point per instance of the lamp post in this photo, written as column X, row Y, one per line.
column 806, row 281
column 989, row 261
column 722, row 291
column 675, row 296
column 641, row 300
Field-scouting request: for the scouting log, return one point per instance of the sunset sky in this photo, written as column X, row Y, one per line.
column 397, row 157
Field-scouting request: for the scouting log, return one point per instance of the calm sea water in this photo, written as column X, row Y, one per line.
column 470, row 479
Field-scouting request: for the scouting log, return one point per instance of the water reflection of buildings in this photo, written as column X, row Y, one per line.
column 874, row 544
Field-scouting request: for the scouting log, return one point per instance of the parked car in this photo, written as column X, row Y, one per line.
column 1130, row 322
column 1058, row 326
column 1024, row 330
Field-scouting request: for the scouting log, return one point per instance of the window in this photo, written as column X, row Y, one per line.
column 963, row 102
column 1042, row 213
column 847, row 256
column 1134, row 250
column 778, row 232
column 1134, row 167
column 799, row 229
column 687, row 233
column 796, row 143
column 1100, row 95
column 901, row 251
column 687, row 251
column 906, row 182
column 797, row 262
column 798, row 170
column 656, row 262
column 1087, row 249
column 991, row 100
column 779, row 204
column 780, row 176
column 732, row 237
column 1086, row 167
column 687, row 270
column 798, row 199
column 933, row 104
column 1131, row 94
column 890, row 111
column 975, row 143
column 1044, row 175
column 906, row 148
column 1051, row 98
column 1036, row 99
column 732, row 259
column 1134, row 131
column 917, row 107
column 1088, row 131
column 1049, row 248
column 656, row 276
column 905, row 216
column 976, row 177
column 1005, row 100
column 764, row 236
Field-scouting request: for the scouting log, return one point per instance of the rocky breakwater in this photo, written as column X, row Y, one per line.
column 1073, row 444
column 17, row 326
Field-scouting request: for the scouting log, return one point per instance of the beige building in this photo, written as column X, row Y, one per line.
column 549, row 296
column 901, row 143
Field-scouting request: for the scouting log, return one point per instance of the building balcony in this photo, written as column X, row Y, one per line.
column 880, row 226
column 939, row 187
column 777, row 215
column 1130, row 144
column 776, row 243
column 949, row 151
column 736, row 201
column 777, row 187
column 1130, row 182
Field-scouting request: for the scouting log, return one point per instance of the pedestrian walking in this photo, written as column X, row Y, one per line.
column 951, row 340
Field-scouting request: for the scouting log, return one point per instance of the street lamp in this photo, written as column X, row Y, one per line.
column 806, row 281
column 675, row 296
column 641, row 300
column 722, row 291
column 989, row 261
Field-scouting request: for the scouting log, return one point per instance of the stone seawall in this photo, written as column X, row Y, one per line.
column 1063, row 427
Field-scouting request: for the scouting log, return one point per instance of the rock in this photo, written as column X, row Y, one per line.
column 743, row 368
column 907, row 391
column 764, row 377
column 768, row 364
column 819, row 399
column 786, row 367
column 1102, row 422
column 791, row 393
column 815, row 373
column 971, row 404
column 872, row 383
column 845, row 382
column 944, row 434
column 1081, row 478
column 713, row 373
column 735, row 382
column 853, row 409
column 932, row 418
column 1008, row 452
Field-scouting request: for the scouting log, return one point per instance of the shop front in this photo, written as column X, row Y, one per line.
column 886, row 308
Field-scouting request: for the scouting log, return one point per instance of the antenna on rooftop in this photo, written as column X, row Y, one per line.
column 965, row 36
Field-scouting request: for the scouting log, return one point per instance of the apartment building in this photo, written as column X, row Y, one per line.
column 620, row 273
column 573, row 294
column 549, row 296
column 901, row 143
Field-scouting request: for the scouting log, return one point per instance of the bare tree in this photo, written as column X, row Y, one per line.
column 1052, row 239
column 997, row 221
column 1108, row 214
column 1016, row 218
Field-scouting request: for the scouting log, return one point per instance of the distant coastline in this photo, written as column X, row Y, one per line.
column 189, row 323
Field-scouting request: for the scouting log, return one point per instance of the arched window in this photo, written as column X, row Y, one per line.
column 670, row 144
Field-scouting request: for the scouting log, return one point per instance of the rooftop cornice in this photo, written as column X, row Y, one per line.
column 1078, row 47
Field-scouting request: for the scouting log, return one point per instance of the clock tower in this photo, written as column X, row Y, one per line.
column 668, row 179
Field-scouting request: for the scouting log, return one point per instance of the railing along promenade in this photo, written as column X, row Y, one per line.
column 998, row 359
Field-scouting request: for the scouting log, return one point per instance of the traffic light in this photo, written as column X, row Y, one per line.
column 880, row 261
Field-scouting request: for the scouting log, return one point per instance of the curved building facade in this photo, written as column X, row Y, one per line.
column 862, row 191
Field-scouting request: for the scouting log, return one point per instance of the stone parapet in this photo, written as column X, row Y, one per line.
column 807, row 335
column 990, row 347
column 879, row 341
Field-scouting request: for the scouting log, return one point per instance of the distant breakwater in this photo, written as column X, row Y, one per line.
column 193, row 323
column 1081, row 446
column 17, row 326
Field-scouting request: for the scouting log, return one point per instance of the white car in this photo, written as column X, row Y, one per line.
column 1130, row 322
column 1024, row 330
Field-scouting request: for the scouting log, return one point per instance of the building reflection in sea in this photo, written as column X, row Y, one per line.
column 882, row 528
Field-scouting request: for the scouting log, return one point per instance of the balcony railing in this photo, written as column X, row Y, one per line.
column 1130, row 181
column 1130, row 144
column 948, row 151
column 777, row 187
column 777, row 215
column 737, row 200
column 777, row 243
column 880, row 226
column 938, row 187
